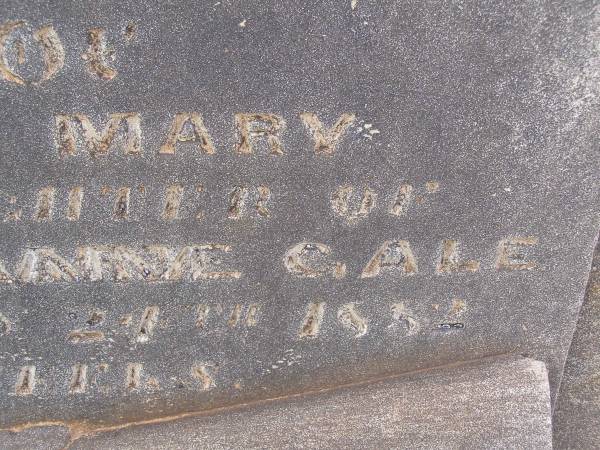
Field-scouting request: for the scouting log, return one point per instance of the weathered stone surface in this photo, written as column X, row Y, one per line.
column 491, row 405
column 54, row 437
column 577, row 416
column 215, row 203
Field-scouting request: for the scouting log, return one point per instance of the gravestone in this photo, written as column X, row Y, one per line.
column 577, row 415
column 420, row 410
column 212, row 204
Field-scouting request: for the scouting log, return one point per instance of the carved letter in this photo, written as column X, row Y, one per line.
column 351, row 320
column 173, row 196
column 352, row 207
column 450, row 263
column 402, row 201
column 25, row 381
column 310, row 260
column 98, row 144
column 45, row 204
column 238, row 200
column 251, row 126
column 198, row 262
column 46, row 37
column 392, row 255
column 45, row 265
column 197, row 133
column 510, row 256
column 96, row 55
column 312, row 321
column 326, row 139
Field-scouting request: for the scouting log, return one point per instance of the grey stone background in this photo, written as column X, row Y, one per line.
column 496, row 101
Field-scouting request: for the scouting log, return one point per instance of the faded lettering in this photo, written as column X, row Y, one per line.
column 188, row 127
column 25, row 381
column 350, row 319
column 97, row 55
column 311, row 260
column 350, row 206
column 394, row 256
column 46, row 37
column 450, row 259
column 253, row 126
column 325, row 139
column 312, row 322
column 511, row 253
column 98, row 143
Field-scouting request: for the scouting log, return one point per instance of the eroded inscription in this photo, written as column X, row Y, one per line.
column 321, row 321
column 18, row 42
column 155, row 263
column 180, row 201
column 122, row 336
column 186, row 227
column 255, row 132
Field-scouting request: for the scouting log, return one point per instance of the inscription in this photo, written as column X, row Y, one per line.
column 188, row 127
column 241, row 201
column 122, row 129
column 86, row 139
column 202, row 315
column 78, row 383
column 312, row 322
column 45, row 37
column 254, row 131
column 311, row 260
column 15, row 45
column 97, row 55
column 5, row 325
column 74, row 203
column 350, row 208
column 449, row 261
column 173, row 197
column 401, row 314
column 403, row 200
column 201, row 373
column 236, row 316
column 121, row 206
column 133, row 374
column 85, row 336
column 240, row 196
column 352, row 320
column 154, row 263
column 117, row 263
column 25, row 381
column 149, row 319
column 326, row 139
column 259, row 125
column 45, row 203
column 392, row 256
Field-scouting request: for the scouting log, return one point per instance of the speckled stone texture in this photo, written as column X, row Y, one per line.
column 454, row 218
column 576, row 418
column 485, row 405
column 52, row 437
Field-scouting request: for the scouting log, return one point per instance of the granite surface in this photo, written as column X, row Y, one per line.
column 212, row 203
column 491, row 404
column 576, row 419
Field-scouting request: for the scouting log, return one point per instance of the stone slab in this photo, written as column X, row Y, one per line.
column 491, row 405
column 50, row 437
column 215, row 203
column 576, row 419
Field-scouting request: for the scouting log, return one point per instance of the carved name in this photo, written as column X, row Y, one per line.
column 155, row 263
